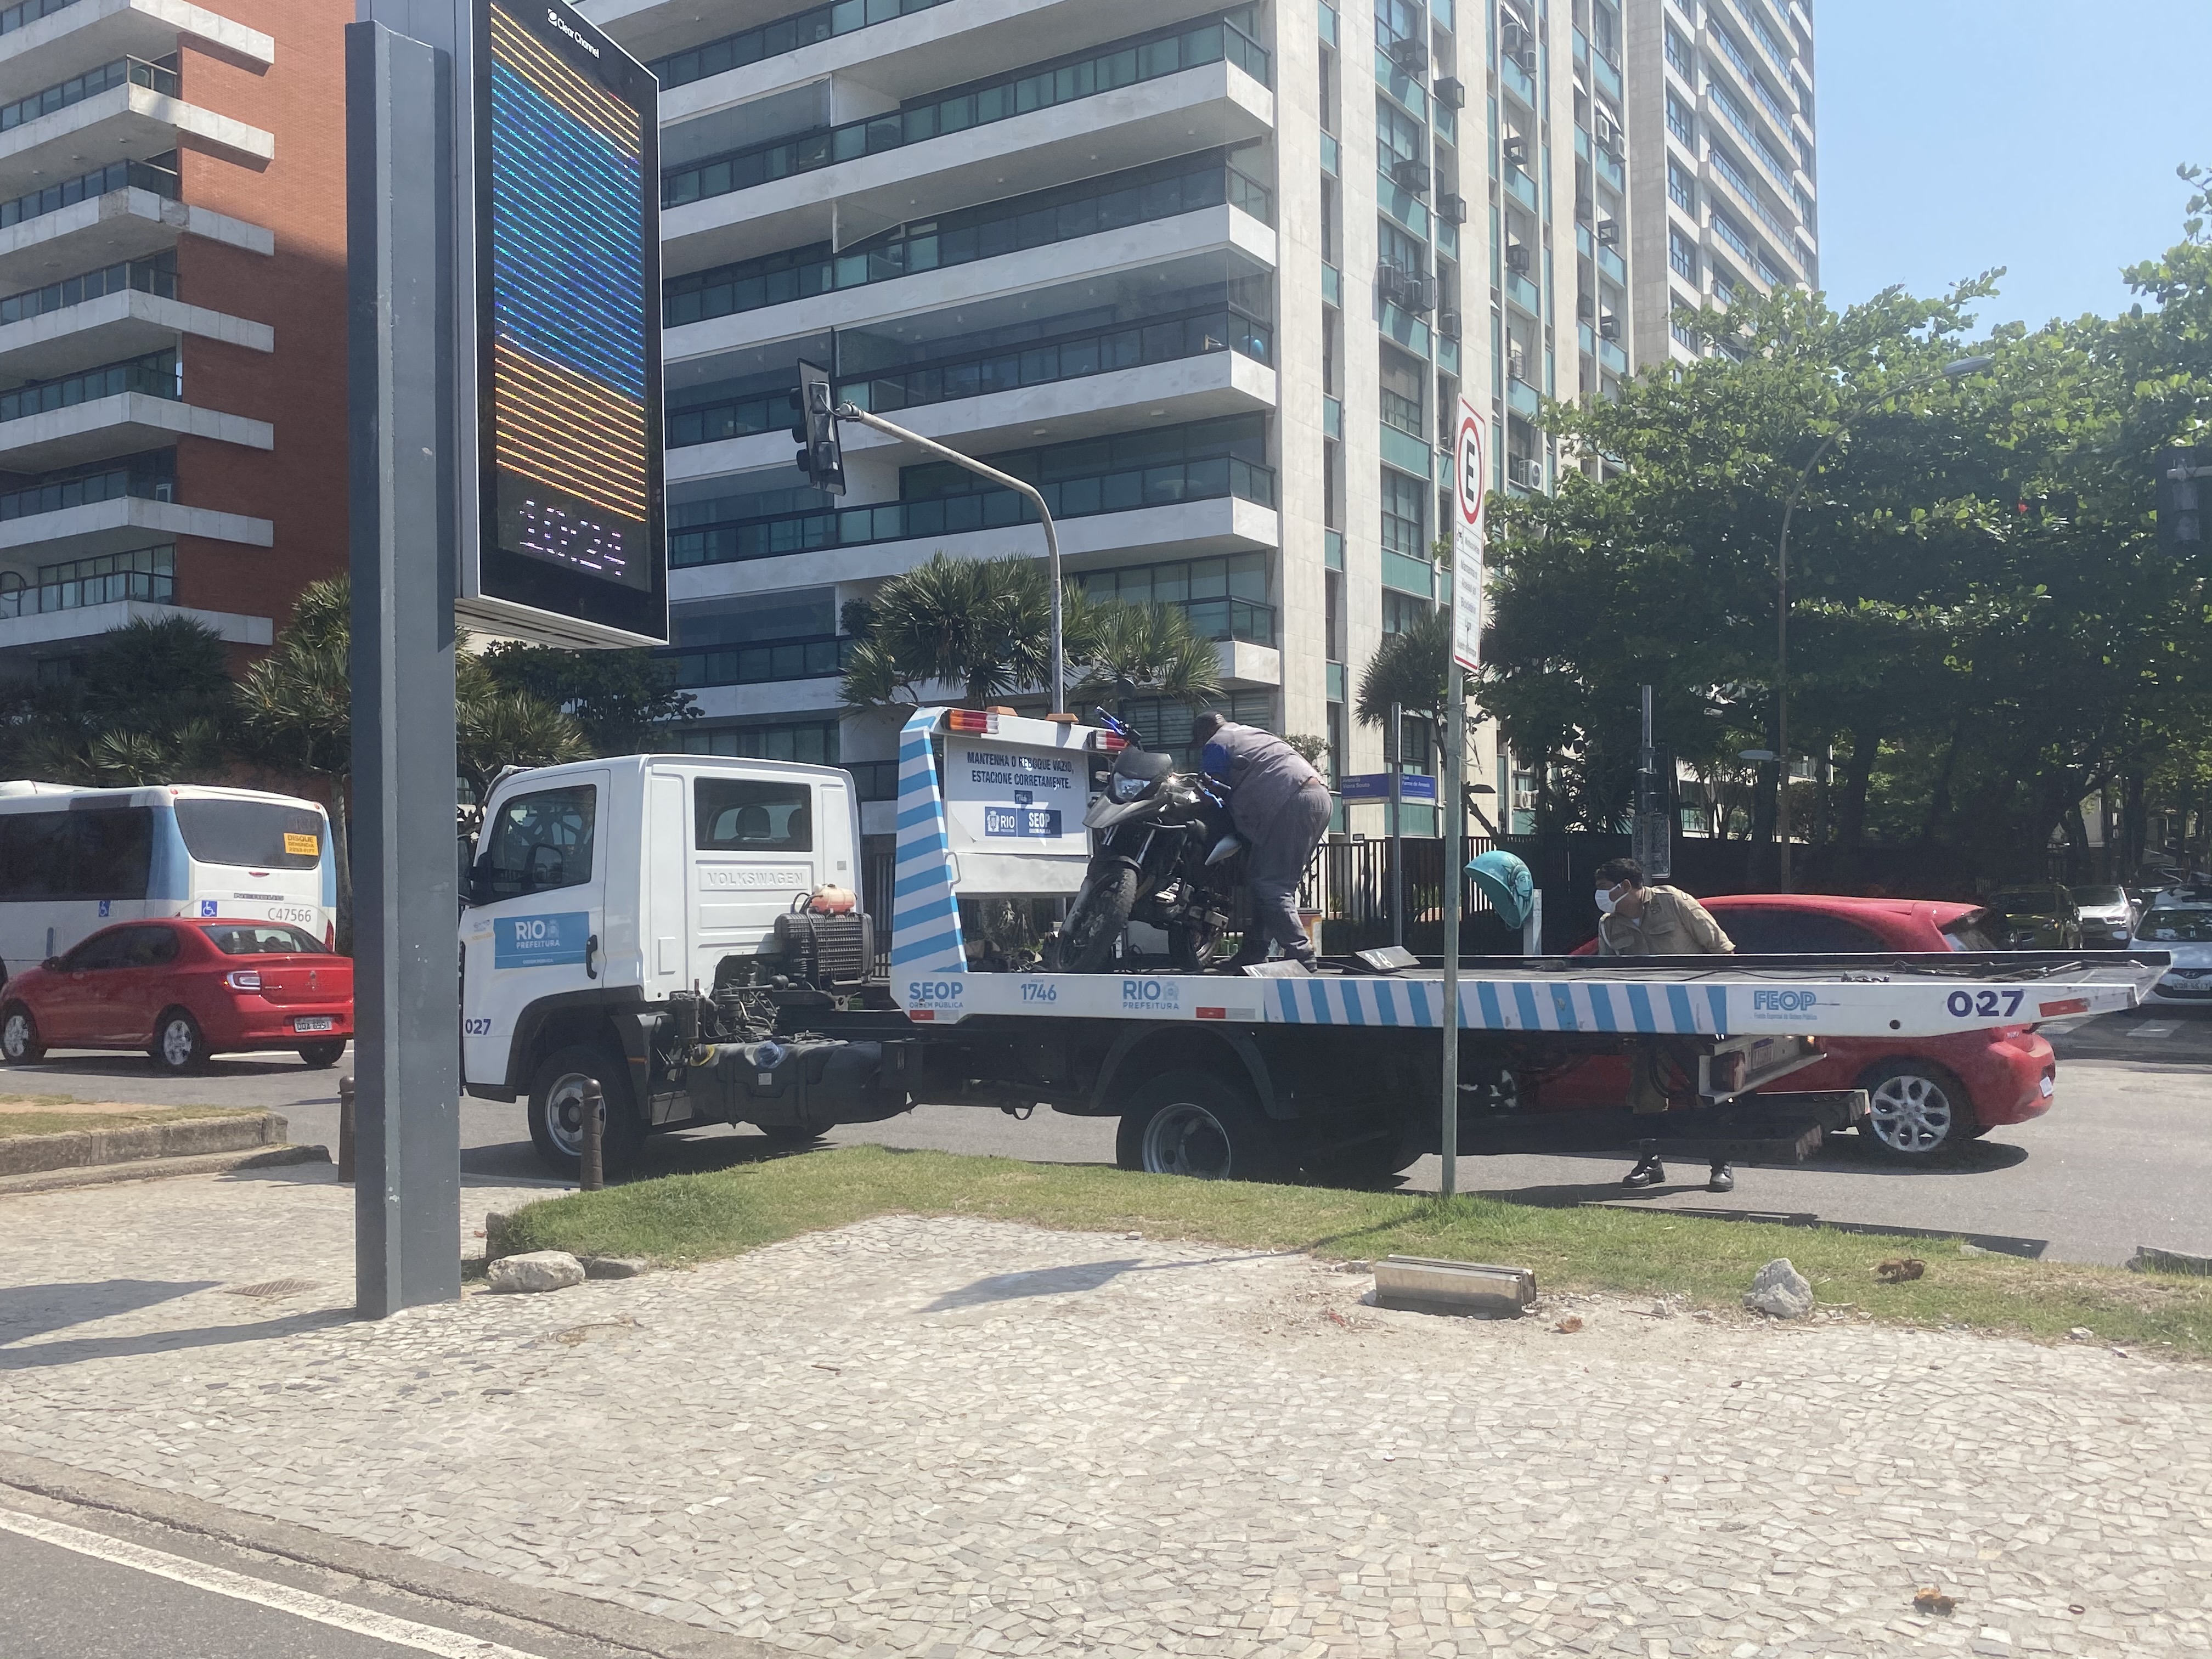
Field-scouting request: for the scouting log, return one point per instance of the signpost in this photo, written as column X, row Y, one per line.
column 1357, row 787
column 504, row 374
column 1470, row 483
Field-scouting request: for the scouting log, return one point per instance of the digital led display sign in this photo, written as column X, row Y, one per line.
column 567, row 330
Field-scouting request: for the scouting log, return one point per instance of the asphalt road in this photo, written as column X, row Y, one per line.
column 97, row 1584
column 2123, row 1158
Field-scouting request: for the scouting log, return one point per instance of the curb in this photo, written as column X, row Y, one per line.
column 556, row 1610
column 157, row 1168
column 73, row 1149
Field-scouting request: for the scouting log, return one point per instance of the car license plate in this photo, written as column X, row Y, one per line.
column 2049, row 1087
column 313, row 1023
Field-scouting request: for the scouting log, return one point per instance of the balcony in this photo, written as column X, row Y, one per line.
column 122, row 310
column 111, row 410
column 52, row 41
column 34, row 636
column 127, row 210
column 1224, row 599
column 1614, row 359
column 107, row 509
column 1169, row 94
column 1605, row 76
column 1216, row 383
column 146, row 574
column 1402, row 204
column 818, row 658
column 126, row 106
column 1055, row 361
column 1523, row 398
column 1070, row 234
column 1518, row 82
column 1522, row 188
column 1522, row 293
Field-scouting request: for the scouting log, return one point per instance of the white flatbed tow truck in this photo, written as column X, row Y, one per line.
column 652, row 923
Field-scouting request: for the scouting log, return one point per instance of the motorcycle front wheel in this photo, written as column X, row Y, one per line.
column 1195, row 945
column 1090, row 937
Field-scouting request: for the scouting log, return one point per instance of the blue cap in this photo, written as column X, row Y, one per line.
column 1505, row 882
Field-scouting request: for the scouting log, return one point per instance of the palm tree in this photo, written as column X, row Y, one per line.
column 1408, row 670
column 151, row 706
column 1147, row 648
column 983, row 624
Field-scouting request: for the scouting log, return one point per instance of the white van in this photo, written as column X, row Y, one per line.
column 73, row 860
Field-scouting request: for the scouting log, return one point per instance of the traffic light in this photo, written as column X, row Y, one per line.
column 2180, row 522
column 821, row 455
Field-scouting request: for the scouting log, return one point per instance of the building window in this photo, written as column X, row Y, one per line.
column 813, row 742
column 1678, row 54
column 1404, row 510
column 1398, row 136
column 1402, row 380
column 1399, row 250
column 1686, row 337
column 1681, row 189
column 1680, row 122
column 1401, row 610
column 1682, row 254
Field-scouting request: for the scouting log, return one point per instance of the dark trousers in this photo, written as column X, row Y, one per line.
column 1277, row 862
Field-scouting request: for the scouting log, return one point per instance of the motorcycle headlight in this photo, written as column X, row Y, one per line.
column 1125, row 789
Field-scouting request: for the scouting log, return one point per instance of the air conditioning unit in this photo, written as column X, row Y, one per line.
column 1451, row 93
column 1453, row 209
column 1513, row 34
column 1608, row 232
column 1411, row 55
column 1517, row 258
column 1608, row 138
column 1525, row 470
column 1420, row 294
column 1608, row 328
column 1448, row 323
column 1408, row 174
column 1516, row 151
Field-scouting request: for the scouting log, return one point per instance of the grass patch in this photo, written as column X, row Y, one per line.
column 65, row 1115
column 681, row 1219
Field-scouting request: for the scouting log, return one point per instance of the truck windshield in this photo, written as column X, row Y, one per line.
column 256, row 835
column 538, row 841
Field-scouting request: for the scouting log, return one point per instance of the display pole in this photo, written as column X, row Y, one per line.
column 399, row 165
column 1470, row 473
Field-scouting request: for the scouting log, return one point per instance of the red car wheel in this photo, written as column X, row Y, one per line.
column 1918, row 1111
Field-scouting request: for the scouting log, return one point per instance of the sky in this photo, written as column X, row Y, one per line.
column 1959, row 134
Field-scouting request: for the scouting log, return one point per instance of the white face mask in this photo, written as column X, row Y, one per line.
column 1605, row 901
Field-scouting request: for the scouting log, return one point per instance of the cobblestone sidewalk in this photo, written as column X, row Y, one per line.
column 951, row 1438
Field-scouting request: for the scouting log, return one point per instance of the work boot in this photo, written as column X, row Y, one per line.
column 1649, row 1172
column 1722, row 1179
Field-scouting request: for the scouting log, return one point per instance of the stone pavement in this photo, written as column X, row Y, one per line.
column 950, row 1438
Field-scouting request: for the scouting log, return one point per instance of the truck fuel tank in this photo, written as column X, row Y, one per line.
column 802, row 1082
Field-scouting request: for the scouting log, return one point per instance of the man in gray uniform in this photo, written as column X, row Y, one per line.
column 1281, row 806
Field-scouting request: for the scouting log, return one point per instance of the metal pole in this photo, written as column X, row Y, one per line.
column 1397, row 748
column 347, row 1129
column 1781, row 690
column 1027, row 491
column 406, row 517
column 1455, row 807
column 591, row 1176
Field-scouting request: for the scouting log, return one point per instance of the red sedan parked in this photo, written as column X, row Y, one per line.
column 1928, row 1095
column 183, row 990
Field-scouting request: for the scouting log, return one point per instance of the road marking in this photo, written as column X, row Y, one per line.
column 2154, row 1030
column 304, row 1604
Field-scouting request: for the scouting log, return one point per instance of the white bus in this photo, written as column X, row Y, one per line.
column 73, row 860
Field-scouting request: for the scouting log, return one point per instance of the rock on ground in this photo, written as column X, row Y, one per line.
column 1780, row 1292
column 536, row 1270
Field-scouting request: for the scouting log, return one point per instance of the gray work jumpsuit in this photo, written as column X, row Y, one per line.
column 1281, row 806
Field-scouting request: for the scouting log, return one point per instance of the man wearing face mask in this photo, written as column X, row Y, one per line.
column 1638, row 919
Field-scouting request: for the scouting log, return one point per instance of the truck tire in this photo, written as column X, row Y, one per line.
column 1195, row 1123
column 1090, row 937
column 556, row 1115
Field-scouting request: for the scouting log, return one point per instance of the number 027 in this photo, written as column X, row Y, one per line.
column 1985, row 1003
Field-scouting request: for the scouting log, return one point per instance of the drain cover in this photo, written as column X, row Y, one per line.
column 271, row 1287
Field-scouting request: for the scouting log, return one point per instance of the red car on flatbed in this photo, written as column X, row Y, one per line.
column 181, row 990
column 1928, row 1095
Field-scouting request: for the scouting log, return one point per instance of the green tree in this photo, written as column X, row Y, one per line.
column 150, row 704
column 619, row 698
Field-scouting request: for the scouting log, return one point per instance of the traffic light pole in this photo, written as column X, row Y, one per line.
column 1027, row 491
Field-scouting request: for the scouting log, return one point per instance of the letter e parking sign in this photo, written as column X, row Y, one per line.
column 1470, row 486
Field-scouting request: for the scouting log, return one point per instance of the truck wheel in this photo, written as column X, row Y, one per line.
column 1193, row 1123
column 557, row 1111
column 1919, row 1112
column 1090, row 937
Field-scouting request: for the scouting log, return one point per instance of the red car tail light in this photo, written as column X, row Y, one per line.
column 243, row 979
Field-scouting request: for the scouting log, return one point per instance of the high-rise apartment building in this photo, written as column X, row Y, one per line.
column 172, row 434
column 1724, row 178
column 1212, row 276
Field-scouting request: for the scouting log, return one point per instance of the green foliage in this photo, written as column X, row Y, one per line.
column 984, row 625
column 1980, row 626
column 151, row 704
column 617, row 697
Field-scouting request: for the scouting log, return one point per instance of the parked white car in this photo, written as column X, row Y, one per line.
column 2179, row 921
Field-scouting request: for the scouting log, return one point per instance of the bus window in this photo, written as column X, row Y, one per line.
column 102, row 853
column 257, row 834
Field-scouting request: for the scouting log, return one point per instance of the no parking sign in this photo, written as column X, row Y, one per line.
column 1470, row 479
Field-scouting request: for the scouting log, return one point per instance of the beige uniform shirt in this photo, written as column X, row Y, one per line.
column 1673, row 924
